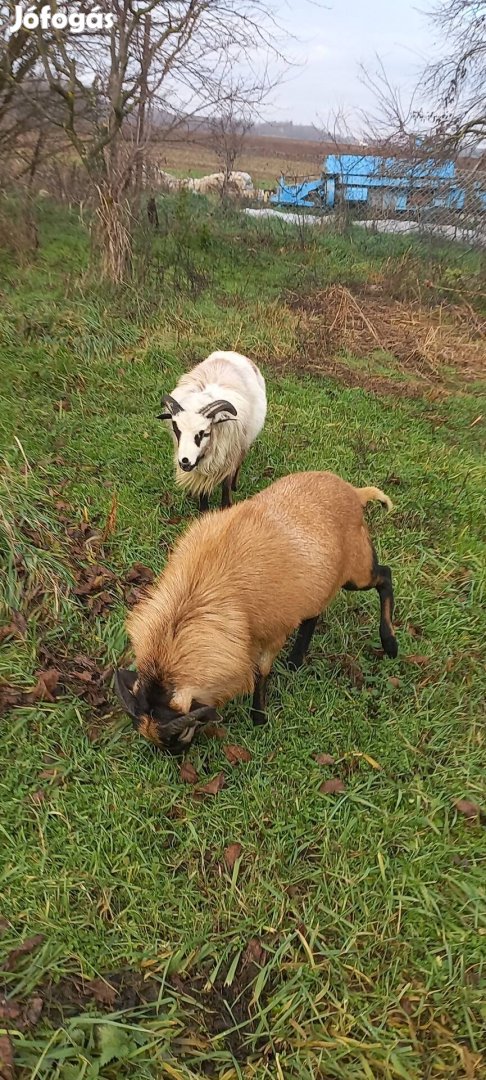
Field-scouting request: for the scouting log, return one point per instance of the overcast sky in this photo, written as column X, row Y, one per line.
column 332, row 42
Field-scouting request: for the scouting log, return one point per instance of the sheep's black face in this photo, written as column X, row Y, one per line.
column 148, row 705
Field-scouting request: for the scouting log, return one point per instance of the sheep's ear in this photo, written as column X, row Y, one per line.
column 215, row 407
column 171, row 405
column 126, row 686
column 164, row 416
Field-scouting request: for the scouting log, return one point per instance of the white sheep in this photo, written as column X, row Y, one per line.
column 215, row 414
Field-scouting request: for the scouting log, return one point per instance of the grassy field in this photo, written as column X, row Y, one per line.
column 345, row 936
column 264, row 158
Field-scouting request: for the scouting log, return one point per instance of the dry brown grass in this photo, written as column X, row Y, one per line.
column 436, row 349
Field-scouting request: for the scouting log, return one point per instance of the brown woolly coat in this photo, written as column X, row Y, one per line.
column 239, row 581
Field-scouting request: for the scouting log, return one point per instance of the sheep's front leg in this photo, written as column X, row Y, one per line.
column 226, row 488
column 265, row 661
column 301, row 644
column 258, row 705
column 203, row 503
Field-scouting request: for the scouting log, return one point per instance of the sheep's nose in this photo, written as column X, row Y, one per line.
column 185, row 461
column 185, row 464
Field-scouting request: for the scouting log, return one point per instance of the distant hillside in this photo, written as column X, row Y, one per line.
column 267, row 129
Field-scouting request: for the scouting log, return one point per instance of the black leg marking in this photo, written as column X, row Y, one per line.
column 226, row 493
column 203, row 503
column 234, row 482
column 258, row 704
column 301, row 644
column 384, row 587
column 381, row 580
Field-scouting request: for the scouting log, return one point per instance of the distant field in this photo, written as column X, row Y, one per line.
column 265, row 158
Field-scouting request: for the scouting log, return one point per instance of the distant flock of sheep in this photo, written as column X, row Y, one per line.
column 240, row 581
column 238, row 184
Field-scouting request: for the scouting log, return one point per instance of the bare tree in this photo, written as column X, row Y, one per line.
column 458, row 80
column 228, row 130
column 447, row 107
column 160, row 55
column 18, row 58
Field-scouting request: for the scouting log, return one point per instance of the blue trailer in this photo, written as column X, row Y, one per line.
column 375, row 183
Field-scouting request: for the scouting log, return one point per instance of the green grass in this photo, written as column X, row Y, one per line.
column 370, row 904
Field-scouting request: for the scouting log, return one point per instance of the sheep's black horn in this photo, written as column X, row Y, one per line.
column 215, row 407
column 171, row 404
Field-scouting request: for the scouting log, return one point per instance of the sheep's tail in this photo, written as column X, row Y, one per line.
column 368, row 494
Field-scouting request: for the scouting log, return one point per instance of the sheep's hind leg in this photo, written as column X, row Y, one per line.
column 384, row 587
column 381, row 580
column 301, row 644
column 226, row 488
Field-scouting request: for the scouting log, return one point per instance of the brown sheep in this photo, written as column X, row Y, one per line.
column 234, row 588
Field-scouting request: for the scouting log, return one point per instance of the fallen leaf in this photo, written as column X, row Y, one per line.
column 7, row 1071
column 9, row 1010
column 232, row 853
column 324, row 759
column 92, row 579
column 392, row 679
column 366, row 757
column 332, row 787
column 187, row 773
column 9, row 697
column 45, row 686
column 17, row 627
column 93, row 732
column 416, row 658
column 174, row 520
column 38, row 797
column 33, row 1011
column 414, row 631
column 140, row 574
column 100, row 603
column 254, row 952
column 214, row 785
column 102, row 992
column 469, row 809
column 27, row 946
column 215, row 731
column 236, row 754
column 53, row 775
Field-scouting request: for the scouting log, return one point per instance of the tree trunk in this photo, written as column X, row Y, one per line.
column 142, row 114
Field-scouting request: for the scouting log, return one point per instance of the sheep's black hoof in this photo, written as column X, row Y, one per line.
column 293, row 662
column 390, row 646
column 258, row 717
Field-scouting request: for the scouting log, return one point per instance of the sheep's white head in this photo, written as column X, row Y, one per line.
column 192, row 430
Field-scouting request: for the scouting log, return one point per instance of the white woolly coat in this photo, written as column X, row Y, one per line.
column 234, row 378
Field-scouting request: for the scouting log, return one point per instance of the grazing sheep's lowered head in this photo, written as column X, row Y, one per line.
column 149, row 705
column 192, row 430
